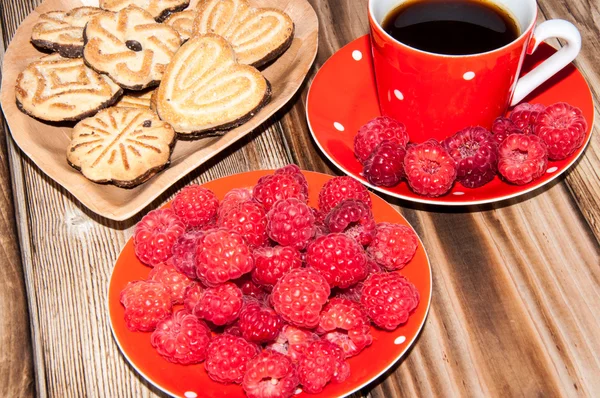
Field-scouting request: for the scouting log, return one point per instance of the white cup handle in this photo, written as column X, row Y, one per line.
column 555, row 28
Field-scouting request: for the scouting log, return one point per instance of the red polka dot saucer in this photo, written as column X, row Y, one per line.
column 343, row 97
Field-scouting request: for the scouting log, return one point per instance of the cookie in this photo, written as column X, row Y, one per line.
column 159, row 9
column 205, row 90
column 130, row 47
column 135, row 99
column 62, row 31
column 182, row 22
column 59, row 89
column 258, row 35
column 121, row 146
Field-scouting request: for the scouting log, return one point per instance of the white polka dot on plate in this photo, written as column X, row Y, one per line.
column 469, row 75
column 458, row 193
column 399, row 340
column 338, row 126
column 298, row 391
column 190, row 394
column 357, row 55
column 552, row 169
column 399, row 94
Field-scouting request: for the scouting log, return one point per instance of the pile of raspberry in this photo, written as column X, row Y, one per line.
column 517, row 148
column 265, row 290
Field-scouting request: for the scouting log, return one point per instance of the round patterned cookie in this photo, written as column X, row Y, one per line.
column 62, row 31
column 159, row 9
column 59, row 89
column 182, row 22
column 130, row 47
column 121, row 146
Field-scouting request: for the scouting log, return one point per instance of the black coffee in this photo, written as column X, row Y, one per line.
column 453, row 27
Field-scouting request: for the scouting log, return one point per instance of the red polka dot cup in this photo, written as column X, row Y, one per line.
column 435, row 95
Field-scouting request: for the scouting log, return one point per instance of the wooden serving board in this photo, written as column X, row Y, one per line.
column 46, row 144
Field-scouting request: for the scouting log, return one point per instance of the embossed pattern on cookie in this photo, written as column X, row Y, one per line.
column 121, row 146
column 57, row 89
column 159, row 9
column 136, row 99
column 182, row 22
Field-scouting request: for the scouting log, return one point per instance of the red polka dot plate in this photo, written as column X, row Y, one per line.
column 343, row 97
column 192, row 381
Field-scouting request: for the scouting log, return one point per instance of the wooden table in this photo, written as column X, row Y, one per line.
column 516, row 304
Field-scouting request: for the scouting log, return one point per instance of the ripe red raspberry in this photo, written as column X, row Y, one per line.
column 339, row 258
column 354, row 218
column 430, row 170
column 385, row 166
column 374, row 132
column 259, row 323
column 294, row 171
column 270, row 375
column 192, row 296
column 271, row 263
column 175, row 282
column 232, row 199
column 272, row 188
column 196, row 206
column 220, row 305
column 184, row 251
column 562, row 127
column 340, row 188
column 525, row 116
column 182, row 338
column 222, row 255
column 389, row 298
column 292, row 341
column 522, row 158
column 227, row 358
column 502, row 128
column 320, row 363
column 146, row 304
column 394, row 245
column 233, row 330
column 155, row 234
column 248, row 219
column 249, row 288
column 291, row 223
column 299, row 296
column 353, row 293
column 476, row 155
column 344, row 323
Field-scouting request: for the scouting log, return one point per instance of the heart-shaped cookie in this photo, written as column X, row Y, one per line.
column 205, row 90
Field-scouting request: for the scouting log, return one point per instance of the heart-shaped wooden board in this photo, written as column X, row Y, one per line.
column 46, row 144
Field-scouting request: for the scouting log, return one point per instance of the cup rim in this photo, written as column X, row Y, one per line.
column 375, row 24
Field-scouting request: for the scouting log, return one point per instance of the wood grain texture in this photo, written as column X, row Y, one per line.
column 516, row 301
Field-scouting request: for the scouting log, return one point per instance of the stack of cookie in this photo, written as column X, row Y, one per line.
column 136, row 75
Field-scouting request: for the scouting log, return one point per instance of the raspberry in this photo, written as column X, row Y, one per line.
column 502, row 128
column 248, row 219
column 146, row 304
column 233, row 330
column 292, row 341
column 271, row 263
column 340, row 188
column 562, row 127
column 294, row 171
column 195, row 205
column 352, row 293
column 272, row 188
column 270, row 375
column 220, row 305
column 345, row 324
column 291, row 223
column 389, row 298
column 320, row 363
column 374, row 132
column 354, row 218
column 249, row 288
column 232, row 199
column 175, row 282
column 522, row 158
column 227, row 358
column 339, row 258
column 155, row 234
column 430, row 170
column 385, row 166
column 258, row 323
column 222, row 255
column 183, row 338
column 192, row 296
column 299, row 296
column 476, row 155
column 525, row 116
column 394, row 245
column 184, row 251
